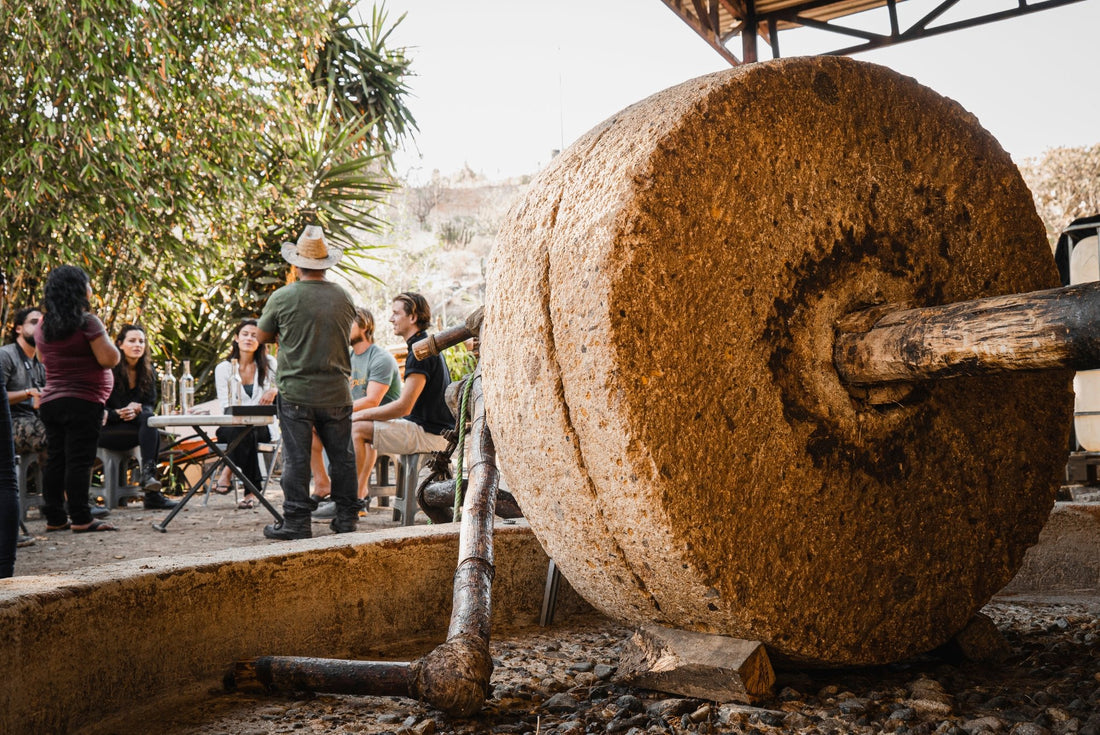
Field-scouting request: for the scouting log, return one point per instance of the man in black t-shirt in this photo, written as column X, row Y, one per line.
column 413, row 423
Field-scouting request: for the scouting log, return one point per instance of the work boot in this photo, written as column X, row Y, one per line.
column 343, row 525
column 345, row 521
column 289, row 529
column 155, row 500
column 149, row 482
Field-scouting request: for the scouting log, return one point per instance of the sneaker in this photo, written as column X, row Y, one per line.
column 281, row 531
column 98, row 511
column 155, row 500
column 325, row 511
column 24, row 541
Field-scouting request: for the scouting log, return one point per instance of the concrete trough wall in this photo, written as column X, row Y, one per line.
column 1066, row 560
column 78, row 647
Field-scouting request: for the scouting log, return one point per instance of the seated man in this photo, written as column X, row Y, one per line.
column 374, row 381
column 24, row 376
column 413, row 423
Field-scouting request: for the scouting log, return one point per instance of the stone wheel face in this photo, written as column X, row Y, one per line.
column 658, row 363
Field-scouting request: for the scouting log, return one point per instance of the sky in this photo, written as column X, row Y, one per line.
column 501, row 84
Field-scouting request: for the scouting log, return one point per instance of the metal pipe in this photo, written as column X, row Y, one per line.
column 454, row 677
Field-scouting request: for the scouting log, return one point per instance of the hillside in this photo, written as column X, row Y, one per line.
column 437, row 242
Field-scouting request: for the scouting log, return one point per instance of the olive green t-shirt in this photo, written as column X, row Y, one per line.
column 312, row 320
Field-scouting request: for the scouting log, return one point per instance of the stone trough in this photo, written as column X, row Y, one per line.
column 83, row 646
column 80, row 646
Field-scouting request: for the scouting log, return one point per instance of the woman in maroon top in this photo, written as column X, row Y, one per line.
column 78, row 357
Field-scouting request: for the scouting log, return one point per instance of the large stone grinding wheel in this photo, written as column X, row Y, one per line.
column 658, row 363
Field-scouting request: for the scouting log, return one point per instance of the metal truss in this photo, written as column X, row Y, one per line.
column 719, row 21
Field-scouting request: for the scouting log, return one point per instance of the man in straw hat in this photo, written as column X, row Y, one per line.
column 312, row 319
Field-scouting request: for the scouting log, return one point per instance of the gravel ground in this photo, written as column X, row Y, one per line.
column 562, row 680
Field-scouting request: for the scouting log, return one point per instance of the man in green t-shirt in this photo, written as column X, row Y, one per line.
column 311, row 319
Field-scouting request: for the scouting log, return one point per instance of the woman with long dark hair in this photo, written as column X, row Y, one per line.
column 257, row 371
column 9, row 493
column 78, row 357
column 131, row 403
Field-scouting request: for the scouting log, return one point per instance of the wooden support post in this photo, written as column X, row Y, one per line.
column 713, row 667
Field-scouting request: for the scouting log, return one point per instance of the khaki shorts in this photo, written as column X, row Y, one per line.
column 401, row 436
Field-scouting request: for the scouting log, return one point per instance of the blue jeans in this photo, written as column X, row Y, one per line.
column 333, row 425
column 9, row 493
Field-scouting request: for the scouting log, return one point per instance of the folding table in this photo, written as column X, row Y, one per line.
column 199, row 423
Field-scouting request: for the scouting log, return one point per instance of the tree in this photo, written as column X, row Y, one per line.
column 161, row 146
column 1065, row 183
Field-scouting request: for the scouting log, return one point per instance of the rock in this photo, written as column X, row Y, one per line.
column 424, row 727
column 983, row 724
column 980, row 641
column 700, row 714
column 560, row 703
column 585, row 678
column 796, row 721
column 1028, row 728
column 603, row 672
column 670, row 708
column 629, row 703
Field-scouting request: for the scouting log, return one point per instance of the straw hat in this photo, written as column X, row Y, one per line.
column 312, row 251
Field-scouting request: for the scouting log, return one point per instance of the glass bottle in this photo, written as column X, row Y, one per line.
column 187, row 389
column 234, row 384
column 167, row 390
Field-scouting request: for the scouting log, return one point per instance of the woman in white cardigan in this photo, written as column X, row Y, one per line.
column 257, row 371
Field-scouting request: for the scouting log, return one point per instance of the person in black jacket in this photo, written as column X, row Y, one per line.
column 9, row 493
column 132, row 401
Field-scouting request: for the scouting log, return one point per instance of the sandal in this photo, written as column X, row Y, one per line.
column 95, row 526
column 225, row 489
column 63, row 527
column 246, row 504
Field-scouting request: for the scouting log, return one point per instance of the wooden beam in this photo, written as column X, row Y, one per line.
column 711, row 38
column 1056, row 328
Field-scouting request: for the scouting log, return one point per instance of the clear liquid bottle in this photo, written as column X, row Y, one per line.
column 167, row 390
column 187, row 389
column 234, row 384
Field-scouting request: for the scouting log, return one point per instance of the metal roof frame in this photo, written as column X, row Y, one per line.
column 719, row 21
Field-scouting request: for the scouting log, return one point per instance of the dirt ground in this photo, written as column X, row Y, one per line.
column 203, row 525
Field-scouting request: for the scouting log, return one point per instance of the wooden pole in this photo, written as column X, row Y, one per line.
column 1057, row 328
column 434, row 344
column 454, row 677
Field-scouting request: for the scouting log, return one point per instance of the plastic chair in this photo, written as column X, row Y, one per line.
column 23, row 463
column 404, row 499
column 116, row 471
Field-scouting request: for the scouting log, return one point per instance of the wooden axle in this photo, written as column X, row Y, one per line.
column 1056, row 328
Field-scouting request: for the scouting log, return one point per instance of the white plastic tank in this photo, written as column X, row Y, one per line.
column 1084, row 266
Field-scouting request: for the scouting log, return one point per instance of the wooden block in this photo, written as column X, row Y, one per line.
column 714, row 667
